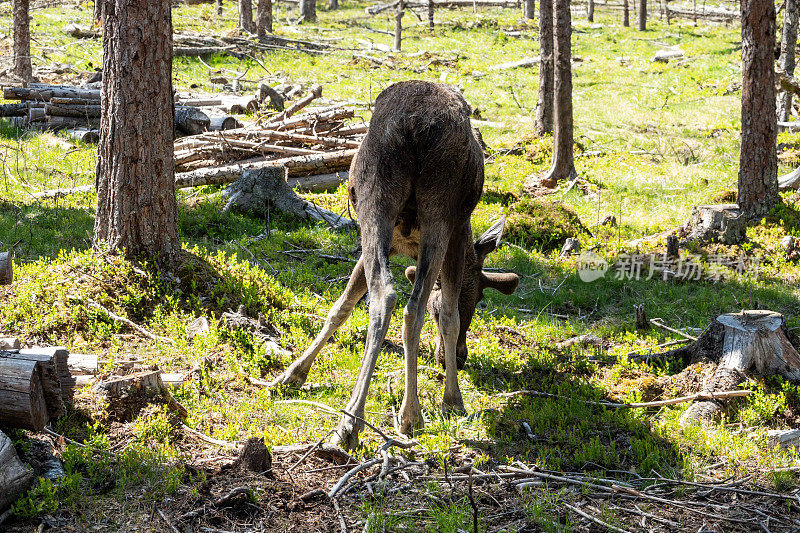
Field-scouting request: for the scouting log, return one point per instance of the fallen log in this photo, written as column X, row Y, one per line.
column 224, row 123
column 190, row 120
column 14, row 110
column 15, row 476
column 46, row 92
column 198, row 51
column 86, row 135
column 58, row 193
column 6, row 268
column 73, row 110
column 59, row 357
column 319, row 182
column 23, row 383
column 296, row 165
column 790, row 180
column 316, row 92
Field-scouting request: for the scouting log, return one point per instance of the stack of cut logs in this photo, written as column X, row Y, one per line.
column 77, row 110
column 314, row 147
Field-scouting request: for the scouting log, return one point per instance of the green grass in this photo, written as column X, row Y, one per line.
column 667, row 138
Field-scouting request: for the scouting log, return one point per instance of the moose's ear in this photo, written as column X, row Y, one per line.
column 490, row 239
column 411, row 274
column 505, row 282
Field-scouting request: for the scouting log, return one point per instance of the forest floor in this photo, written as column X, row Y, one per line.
column 652, row 140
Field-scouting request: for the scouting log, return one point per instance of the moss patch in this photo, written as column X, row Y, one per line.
column 542, row 224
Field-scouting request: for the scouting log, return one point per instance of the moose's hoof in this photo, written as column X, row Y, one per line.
column 453, row 405
column 410, row 419
column 292, row 376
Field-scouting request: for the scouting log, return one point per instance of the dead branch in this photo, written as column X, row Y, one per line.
column 130, row 323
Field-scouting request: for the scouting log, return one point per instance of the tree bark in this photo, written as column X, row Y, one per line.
column 136, row 205
column 529, row 9
column 22, row 41
column 398, row 25
column 544, row 105
column 563, row 160
column 590, row 11
column 626, row 16
column 430, row 14
column 787, row 59
column 15, row 476
column 97, row 11
column 246, row 22
column 6, row 268
column 333, row 5
column 308, row 10
column 642, row 15
column 264, row 16
column 758, row 164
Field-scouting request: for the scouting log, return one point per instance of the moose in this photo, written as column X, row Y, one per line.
column 414, row 183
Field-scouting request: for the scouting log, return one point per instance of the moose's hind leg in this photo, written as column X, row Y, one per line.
column 297, row 372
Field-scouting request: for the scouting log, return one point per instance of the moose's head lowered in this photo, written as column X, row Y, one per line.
column 474, row 282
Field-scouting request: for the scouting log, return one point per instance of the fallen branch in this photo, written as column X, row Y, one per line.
column 130, row 323
column 704, row 395
column 595, row 519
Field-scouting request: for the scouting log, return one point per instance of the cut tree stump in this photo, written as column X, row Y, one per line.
column 262, row 189
column 6, row 268
column 723, row 223
column 15, row 476
column 127, row 395
column 750, row 343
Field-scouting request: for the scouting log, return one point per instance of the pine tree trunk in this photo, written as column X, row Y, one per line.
column 642, row 15
column 563, row 161
column 626, row 16
column 97, row 12
column 333, row 5
column 246, row 22
column 219, row 8
column 264, row 17
column 590, row 11
column 430, row 14
column 308, row 10
column 787, row 59
column 758, row 167
column 136, row 205
column 22, row 40
column 544, row 105
column 529, row 9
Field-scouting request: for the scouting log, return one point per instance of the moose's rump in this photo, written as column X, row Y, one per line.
column 420, row 154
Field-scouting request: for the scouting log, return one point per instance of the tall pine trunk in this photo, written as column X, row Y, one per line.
column 758, row 165
column 308, row 10
column 22, row 40
column 563, row 160
column 626, row 16
column 264, row 17
column 590, row 11
column 136, row 205
column 529, row 9
column 246, row 22
column 787, row 59
column 544, row 105
column 642, row 15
